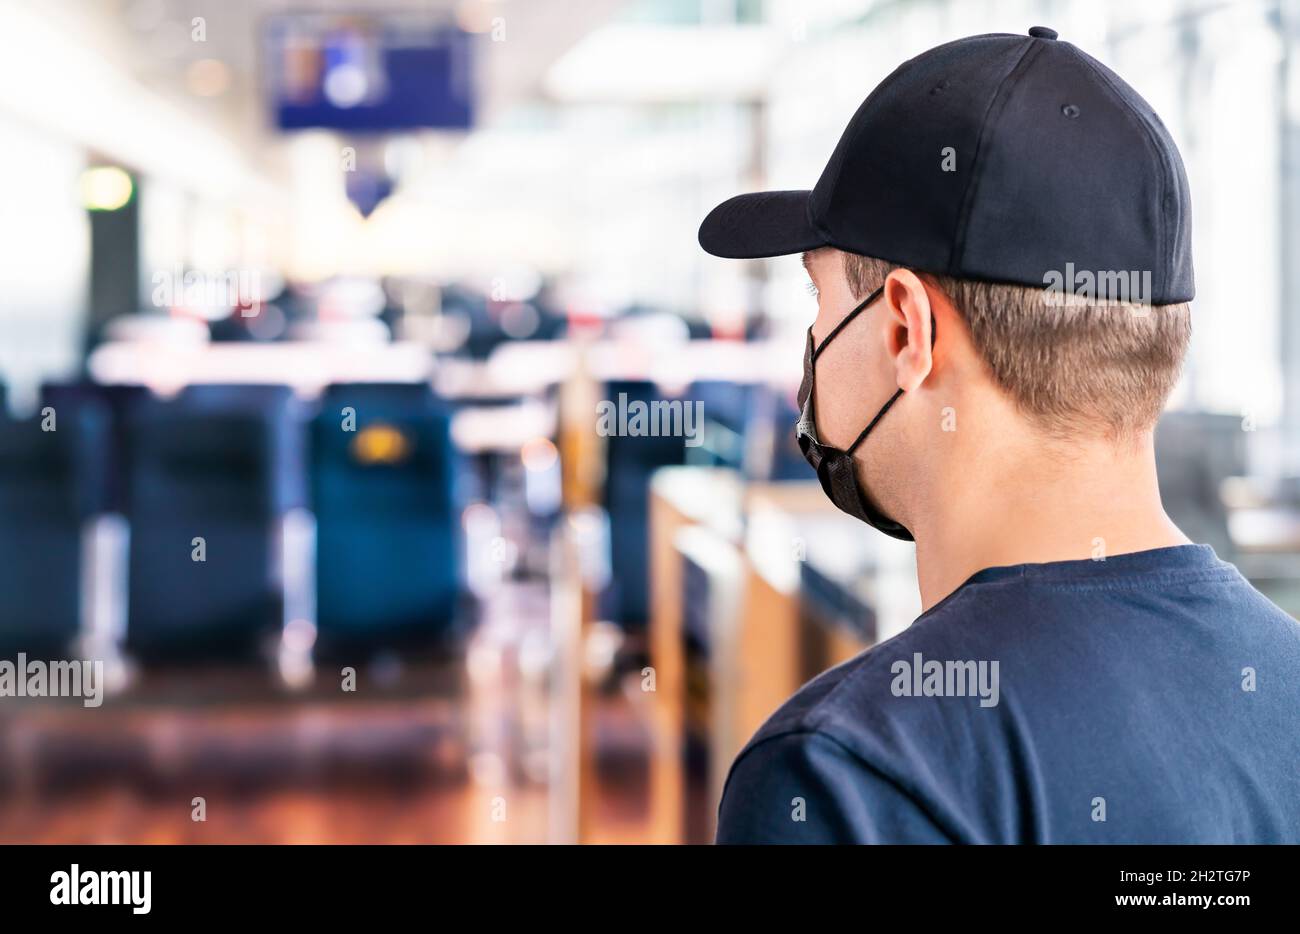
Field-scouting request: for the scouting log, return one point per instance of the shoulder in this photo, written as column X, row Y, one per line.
column 858, row 758
column 860, row 697
column 806, row 787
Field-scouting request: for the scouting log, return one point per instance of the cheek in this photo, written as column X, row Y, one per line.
column 831, row 308
column 848, row 378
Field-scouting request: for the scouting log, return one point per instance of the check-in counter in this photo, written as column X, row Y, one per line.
column 680, row 497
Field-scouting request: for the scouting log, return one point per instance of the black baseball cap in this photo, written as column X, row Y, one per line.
column 998, row 157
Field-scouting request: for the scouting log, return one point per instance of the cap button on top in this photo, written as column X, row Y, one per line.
column 1042, row 32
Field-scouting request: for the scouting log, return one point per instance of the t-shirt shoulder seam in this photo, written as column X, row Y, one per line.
column 813, row 731
column 802, row 729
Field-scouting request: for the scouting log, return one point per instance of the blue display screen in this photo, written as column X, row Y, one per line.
column 368, row 73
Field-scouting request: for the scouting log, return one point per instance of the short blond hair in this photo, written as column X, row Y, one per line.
column 1075, row 367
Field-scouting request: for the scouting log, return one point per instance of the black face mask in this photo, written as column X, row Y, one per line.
column 835, row 467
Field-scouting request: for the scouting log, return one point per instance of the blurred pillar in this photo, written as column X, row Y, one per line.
column 756, row 181
column 114, row 263
column 1288, row 16
column 577, row 579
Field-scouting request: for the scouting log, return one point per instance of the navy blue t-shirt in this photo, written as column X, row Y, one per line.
column 1148, row 698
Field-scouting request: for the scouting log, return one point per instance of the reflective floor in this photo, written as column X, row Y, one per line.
column 454, row 750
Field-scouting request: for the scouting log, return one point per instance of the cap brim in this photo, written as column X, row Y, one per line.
column 765, row 223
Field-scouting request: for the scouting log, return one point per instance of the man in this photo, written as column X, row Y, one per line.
column 1001, row 249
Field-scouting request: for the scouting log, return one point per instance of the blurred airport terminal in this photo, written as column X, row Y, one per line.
column 376, row 427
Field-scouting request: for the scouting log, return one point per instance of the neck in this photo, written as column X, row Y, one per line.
column 1033, row 502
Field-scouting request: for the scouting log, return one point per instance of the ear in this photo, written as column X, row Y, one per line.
column 911, row 320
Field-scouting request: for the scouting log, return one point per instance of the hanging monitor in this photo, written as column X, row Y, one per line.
column 368, row 73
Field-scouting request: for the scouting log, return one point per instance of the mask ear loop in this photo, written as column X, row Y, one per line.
column 892, row 399
column 844, row 323
column 872, row 424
